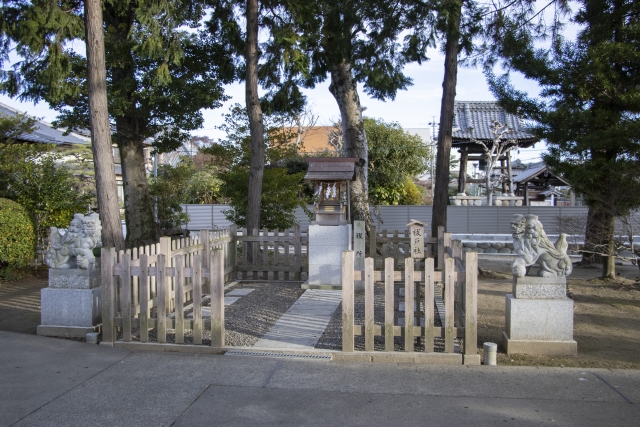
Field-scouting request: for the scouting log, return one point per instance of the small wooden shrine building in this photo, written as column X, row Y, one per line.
column 474, row 120
column 537, row 184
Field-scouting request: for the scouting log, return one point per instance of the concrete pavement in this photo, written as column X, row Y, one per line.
column 51, row 382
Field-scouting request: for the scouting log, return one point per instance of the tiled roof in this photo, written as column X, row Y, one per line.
column 531, row 172
column 474, row 119
column 535, row 171
column 43, row 131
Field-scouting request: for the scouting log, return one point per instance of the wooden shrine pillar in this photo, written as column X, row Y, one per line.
column 462, row 176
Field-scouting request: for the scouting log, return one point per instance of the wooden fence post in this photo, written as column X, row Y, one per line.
column 440, row 265
column 233, row 250
column 179, row 299
column 217, row 298
column 409, row 301
column 125, row 296
column 165, row 249
column 197, row 298
column 429, row 302
column 449, row 269
column 144, row 298
column 389, row 310
column 205, row 239
column 347, row 301
column 161, row 292
column 107, row 261
column 368, row 304
column 298, row 248
column 471, row 304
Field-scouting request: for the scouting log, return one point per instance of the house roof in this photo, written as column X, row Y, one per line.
column 474, row 120
column 44, row 132
column 539, row 174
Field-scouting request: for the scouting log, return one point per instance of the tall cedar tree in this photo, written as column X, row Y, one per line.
column 470, row 33
column 159, row 77
column 355, row 42
column 588, row 111
column 267, row 63
column 256, row 124
column 108, row 206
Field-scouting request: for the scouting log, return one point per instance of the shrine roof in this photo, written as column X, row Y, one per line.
column 540, row 173
column 474, row 120
column 331, row 168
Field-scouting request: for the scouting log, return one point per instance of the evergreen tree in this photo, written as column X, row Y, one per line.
column 366, row 42
column 159, row 77
column 395, row 159
column 588, row 110
column 267, row 64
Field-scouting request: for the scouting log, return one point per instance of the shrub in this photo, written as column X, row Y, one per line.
column 17, row 238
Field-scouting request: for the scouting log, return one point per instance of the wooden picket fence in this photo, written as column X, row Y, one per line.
column 147, row 287
column 458, row 279
column 396, row 244
column 272, row 255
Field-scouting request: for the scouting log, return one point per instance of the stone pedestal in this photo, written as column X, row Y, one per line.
column 539, row 318
column 71, row 305
column 326, row 244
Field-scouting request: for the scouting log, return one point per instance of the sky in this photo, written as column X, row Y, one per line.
column 416, row 107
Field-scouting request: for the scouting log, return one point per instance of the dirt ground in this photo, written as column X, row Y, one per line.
column 606, row 320
column 606, row 317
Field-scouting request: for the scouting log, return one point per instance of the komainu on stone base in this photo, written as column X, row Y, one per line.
column 74, row 249
column 532, row 246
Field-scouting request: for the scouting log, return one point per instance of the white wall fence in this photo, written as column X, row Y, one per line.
column 460, row 219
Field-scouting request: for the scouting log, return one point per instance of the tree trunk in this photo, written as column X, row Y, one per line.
column 609, row 260
column 108, row 206
column 256, row 125
column 138, row 203
column 441, row 195
column 130, row 130
column 487, row 182
column 345, row 90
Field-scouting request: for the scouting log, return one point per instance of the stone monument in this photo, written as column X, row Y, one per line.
column 70, row 306
column 330, row 232
column 539, row 316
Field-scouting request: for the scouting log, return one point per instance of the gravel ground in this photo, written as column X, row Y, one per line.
column 251, row 316
column 332, row 337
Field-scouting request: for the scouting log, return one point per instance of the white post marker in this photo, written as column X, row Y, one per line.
column 416, row 232
column 490, row 353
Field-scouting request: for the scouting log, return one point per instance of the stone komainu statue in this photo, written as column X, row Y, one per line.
column 534, row 247
column 74, row 249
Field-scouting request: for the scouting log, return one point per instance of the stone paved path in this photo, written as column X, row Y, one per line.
column 303, row 324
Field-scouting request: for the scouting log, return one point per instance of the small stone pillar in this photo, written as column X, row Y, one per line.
column 539, row 318
column 71, row 306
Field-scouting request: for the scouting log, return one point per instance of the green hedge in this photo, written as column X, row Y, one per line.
column 17, row 238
